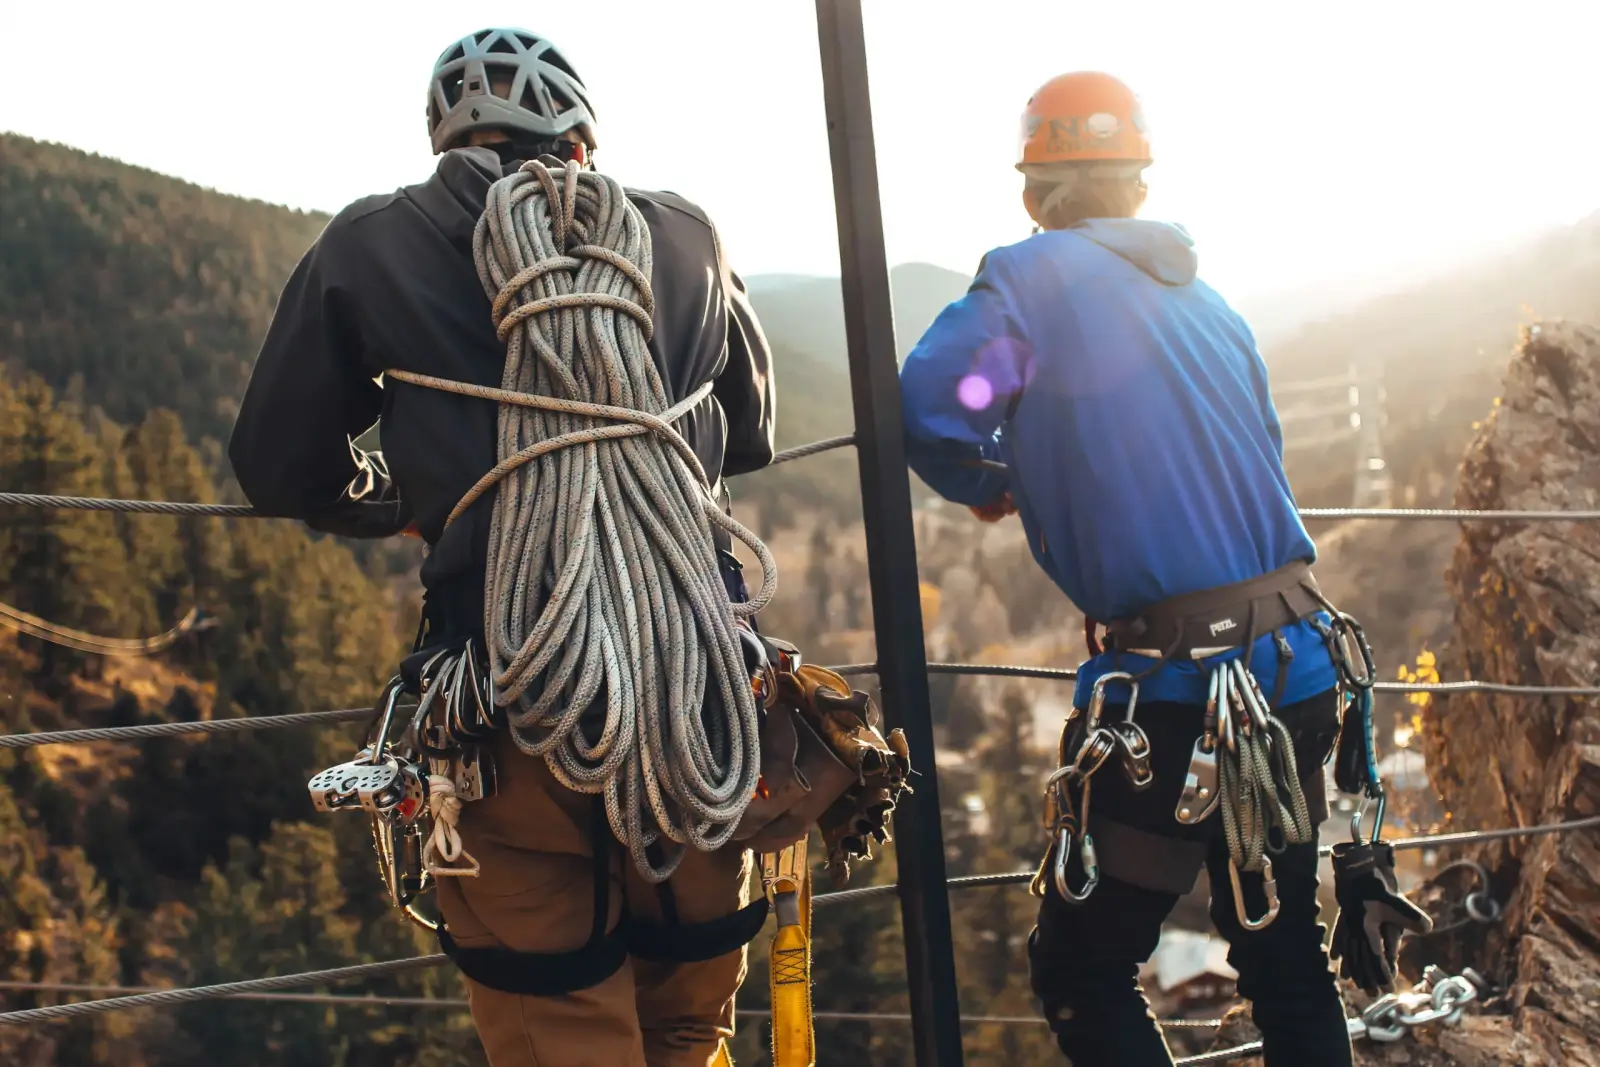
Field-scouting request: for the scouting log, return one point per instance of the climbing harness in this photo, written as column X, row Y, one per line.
column 1069, row 788
column 605, row 593
column 23, row 622
column 1243, row 762
column 786, row 878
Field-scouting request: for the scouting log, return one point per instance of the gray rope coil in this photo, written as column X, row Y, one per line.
column 610, row 635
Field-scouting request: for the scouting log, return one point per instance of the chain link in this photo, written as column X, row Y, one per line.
column 1439, row 999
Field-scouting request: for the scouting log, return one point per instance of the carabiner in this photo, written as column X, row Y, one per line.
column 1086, row 855
column 1097, row 696
column 1221, row 679
column 1268, row 884
column 1251, row 698
column 1375, row 798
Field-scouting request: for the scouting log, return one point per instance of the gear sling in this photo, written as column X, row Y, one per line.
column 1243, row 764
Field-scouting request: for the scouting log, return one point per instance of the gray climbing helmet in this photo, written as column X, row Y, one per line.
column 506, row 79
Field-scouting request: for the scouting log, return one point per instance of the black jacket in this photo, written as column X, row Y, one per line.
column 391, row 284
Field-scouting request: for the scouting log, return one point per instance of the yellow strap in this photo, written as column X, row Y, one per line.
column 794, row 1042
column 722, row 1059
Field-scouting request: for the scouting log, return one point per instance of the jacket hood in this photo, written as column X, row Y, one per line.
column 1163, row 250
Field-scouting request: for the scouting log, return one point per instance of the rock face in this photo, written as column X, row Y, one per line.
column 1528, row 611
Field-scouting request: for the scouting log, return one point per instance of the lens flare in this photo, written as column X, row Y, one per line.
column 975, row 392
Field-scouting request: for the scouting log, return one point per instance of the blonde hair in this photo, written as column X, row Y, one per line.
column 1069, row 193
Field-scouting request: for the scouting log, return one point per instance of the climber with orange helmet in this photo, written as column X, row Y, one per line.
column 1091, row 383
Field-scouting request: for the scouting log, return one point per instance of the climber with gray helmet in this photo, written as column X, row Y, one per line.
column 572, row 959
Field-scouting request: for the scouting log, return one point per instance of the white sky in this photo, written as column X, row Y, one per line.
column 1302, row 143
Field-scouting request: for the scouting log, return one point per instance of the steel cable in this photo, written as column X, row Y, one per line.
column 367, row 970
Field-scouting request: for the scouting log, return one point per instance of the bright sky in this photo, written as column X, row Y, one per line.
column 1300, row 143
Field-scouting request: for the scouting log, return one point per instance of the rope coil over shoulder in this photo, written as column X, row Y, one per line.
column 611, row 640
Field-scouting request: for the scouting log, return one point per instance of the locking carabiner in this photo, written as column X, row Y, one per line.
column 1376, row 799
column 1097, row 697
column 1086, row 856
column 1269, row 885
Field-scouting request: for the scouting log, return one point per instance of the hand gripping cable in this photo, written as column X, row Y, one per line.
column 612, row 644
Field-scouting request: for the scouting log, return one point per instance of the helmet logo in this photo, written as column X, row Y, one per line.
column 1031, row 124
column 1102, row 125
column 474, row 114
column 1138, row 120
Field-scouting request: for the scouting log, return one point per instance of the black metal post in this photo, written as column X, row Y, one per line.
column 891, row 543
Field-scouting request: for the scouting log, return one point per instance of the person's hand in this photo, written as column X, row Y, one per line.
column 997, row 510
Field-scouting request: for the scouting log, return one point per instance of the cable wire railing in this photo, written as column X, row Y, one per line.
column 143, row 731
column 827, row 444
column 269, row 988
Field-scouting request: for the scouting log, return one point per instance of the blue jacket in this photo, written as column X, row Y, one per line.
column 1130, row 407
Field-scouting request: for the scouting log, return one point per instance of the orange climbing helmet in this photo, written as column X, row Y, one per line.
column 1083, row 117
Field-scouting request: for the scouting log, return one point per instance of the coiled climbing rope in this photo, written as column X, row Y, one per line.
column 608, row 625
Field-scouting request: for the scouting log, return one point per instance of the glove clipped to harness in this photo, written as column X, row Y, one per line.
column 824, row 762
column 1373, row 915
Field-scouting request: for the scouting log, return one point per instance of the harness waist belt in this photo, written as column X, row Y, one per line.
column 1224, row 618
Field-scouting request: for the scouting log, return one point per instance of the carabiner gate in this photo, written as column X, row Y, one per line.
column 1268, row 884
column 1086, row 855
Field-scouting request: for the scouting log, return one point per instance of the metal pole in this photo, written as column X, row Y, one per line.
column 891, row 543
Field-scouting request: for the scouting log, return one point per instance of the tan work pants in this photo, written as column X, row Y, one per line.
column 536, row 894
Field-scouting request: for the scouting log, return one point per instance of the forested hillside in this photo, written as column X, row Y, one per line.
column 134, row 291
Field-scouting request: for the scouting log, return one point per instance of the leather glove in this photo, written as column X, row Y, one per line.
column 1373, row 915
column 996, row 510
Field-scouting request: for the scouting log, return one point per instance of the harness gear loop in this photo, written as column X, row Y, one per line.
column 612, row 645
column 786, row 877
column 444, row 846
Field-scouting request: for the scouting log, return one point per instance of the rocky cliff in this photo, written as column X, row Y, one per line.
column 1527, row 610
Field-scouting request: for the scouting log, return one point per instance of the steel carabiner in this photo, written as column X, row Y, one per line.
column 1374, row 798
column 1269, row 885
column 1086, row 856
column 1097, row 697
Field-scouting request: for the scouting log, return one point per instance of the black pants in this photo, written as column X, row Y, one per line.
column 1085, row 958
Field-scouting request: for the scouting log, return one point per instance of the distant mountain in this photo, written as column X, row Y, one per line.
column 132, row 290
